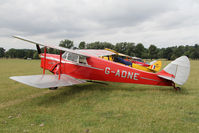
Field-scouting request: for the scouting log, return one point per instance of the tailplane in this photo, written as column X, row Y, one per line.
column 177, row 71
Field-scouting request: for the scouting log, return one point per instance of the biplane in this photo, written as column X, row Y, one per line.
column 72, row 67
column 134, row 62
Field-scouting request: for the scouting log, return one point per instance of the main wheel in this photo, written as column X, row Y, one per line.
column 53, row 88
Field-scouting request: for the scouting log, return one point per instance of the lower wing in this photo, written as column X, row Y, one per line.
column 47, row 81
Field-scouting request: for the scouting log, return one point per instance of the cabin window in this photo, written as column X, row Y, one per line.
column 64, row 56
column 82, row 59
column 72, row 57
column 75, row 58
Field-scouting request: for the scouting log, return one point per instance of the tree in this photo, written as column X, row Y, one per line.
column 179, row 51
column 160, row 53
column 2, row 52
column 130, row 49
column 153, row 51
column 11, row 53
column 125, row 48
column 167, row 53
column 187, row 50
column 195, row 52
column 82, row 45
column 121, row 47
column 107, row 45
column 29, row 53
column 139, row 50
column 99, row 45
column 20, row 53
column 66, row 43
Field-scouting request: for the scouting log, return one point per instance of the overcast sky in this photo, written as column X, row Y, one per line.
column 160, row 22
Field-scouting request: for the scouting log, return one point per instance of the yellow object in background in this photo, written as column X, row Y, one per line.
column 156, row 66
column 136, row 66
column 110, row 58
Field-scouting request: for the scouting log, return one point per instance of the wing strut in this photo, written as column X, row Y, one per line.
column 60, row 64
column 44, row 65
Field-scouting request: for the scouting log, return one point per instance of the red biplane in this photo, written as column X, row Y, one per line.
column 79, row 66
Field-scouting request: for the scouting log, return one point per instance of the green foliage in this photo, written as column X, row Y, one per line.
column 66, row 43
column 139, row 48
column 125, row 48
column 99, row 45
column 2, row 52
column 82, row 45
column 160, row 53
column 167, row 53
column 153, row 51
column 128, row 48
column 20, row 53
column 195, row 52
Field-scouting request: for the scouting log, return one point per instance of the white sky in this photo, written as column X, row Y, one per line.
column 160, row 22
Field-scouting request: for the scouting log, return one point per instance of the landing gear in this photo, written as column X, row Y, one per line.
column 176, row 88
column 53, row 88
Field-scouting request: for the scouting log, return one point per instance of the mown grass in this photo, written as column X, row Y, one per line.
column 90, row 107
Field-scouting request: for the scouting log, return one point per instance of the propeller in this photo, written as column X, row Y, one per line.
column 38, row 49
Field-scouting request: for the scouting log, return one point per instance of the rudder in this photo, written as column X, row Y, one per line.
column 177, row 71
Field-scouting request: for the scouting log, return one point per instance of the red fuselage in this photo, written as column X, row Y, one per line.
column 101, row 70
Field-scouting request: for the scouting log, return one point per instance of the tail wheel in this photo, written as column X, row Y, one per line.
column 176, row 88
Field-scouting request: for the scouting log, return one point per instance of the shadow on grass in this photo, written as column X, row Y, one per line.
column 100, row 91
column 65, row 94
column 143, row 88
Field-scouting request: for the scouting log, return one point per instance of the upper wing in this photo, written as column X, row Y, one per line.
column 95, row 52
column 87, row 53
column 50, row 46
column 47, row 81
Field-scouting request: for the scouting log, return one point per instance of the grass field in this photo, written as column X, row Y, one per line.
column 95, row 108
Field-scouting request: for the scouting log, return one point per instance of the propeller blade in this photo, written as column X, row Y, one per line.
column 38, row 49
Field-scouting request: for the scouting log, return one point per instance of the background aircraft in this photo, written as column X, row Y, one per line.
column 134, row 62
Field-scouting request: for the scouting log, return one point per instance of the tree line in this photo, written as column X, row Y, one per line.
column 127, row 48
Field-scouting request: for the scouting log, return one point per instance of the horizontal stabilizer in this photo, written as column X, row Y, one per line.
column 177, row 71
column 47, row 81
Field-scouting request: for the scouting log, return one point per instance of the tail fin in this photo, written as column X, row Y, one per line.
column 155, row 65
column 177, row 71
